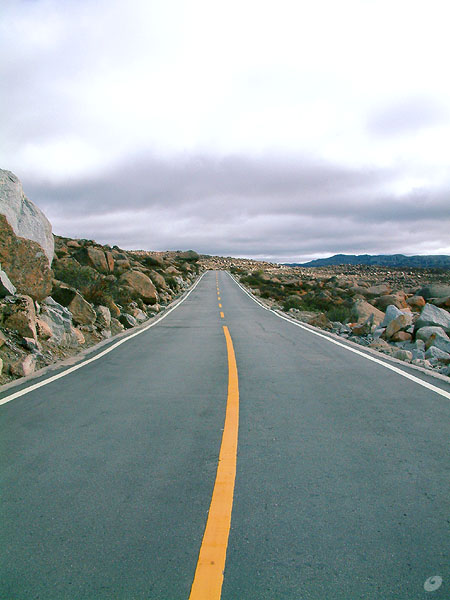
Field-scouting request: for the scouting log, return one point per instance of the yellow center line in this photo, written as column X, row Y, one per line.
column 220, row 306
column 218, row 297
column 222, row 315
column 208, row 577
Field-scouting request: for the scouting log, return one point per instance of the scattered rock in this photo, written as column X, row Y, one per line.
column 24, row 367
column 363, row 310
column 405, row 355
column 435, row 290
column 127, row 320
column 433, row 316
column 82, row 311
column 416, row 302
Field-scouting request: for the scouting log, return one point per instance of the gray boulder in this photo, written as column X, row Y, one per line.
column 392, row 312
column 424, row 333
column 6, row 287
column 25, row 218
column 433, row 316
column 59, row 320
column 434, row 290
column 434, row 354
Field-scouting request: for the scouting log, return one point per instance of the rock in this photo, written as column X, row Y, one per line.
column 24, row 367
column 425, row 364
column 158, row 280
column 401, row 321
column 3, row 338
column 95, row 258
column 139, row 315
column 377, row 290
column 363, row 310
column 424, row 333
column 439, row 342
column 59, row 319
column 416, row 302
column 381, row 345
column 31, row 344
column 435, row 290
column 103, row 320
column 363, row 328
column 79, row 335
column 6, row 287
column 43, row 329
column 397, row 300
column 172, row 270
column 141, row 285
column 154, row 260
column 320, row 320
column 82, row 311
column 110, row 261
column 436, row 354
column 25, row 218
column 24, row 262
column 433, row 316
column 392, row 312
column 116, row 326
column 403, row 355
column 401, row 336
column 442, row 302
column 20, row 316
column 1, row 366
column 127, row 320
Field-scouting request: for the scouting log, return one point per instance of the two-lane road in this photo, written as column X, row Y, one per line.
column 341, row 487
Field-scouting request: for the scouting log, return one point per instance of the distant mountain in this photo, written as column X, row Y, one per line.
column 384, row 260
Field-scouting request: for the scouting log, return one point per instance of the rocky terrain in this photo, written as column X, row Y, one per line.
column 59, row 296
column 400, row 312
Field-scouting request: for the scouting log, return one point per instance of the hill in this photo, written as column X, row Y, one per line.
column 384, row 260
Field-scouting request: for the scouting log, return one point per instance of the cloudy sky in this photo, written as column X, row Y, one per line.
column 285, row 129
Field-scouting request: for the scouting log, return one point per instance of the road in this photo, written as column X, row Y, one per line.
column 340, row 488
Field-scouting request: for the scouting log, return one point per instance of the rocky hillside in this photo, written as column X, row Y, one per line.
column 403, row 313
column 59, row 295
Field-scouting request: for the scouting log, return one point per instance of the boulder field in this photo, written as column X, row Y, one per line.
column 403, row 313
column 60, row 295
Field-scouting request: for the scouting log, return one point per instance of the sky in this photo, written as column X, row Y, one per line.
column 283, row 130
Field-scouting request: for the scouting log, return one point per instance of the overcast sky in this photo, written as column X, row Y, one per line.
column 285, row 130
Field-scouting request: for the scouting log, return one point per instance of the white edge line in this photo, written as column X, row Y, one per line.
column 35, row 386
column 425, row 384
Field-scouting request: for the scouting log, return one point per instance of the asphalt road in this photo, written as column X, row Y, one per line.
column 342, row 482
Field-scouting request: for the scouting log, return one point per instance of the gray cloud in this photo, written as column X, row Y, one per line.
column 236, row 205
column 409, row 116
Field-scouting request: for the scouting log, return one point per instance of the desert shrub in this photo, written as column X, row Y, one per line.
column 343, row 314
column 293, row 302
column 75, row 275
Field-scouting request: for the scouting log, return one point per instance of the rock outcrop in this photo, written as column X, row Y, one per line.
column 26, row 240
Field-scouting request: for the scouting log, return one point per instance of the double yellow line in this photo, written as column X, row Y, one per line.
column 208, row 577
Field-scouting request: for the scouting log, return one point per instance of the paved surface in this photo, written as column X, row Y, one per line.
column 342, row 472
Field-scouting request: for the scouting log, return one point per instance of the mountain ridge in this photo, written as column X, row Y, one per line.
column 440, row 261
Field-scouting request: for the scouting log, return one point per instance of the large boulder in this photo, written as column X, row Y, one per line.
column 26, row 240
column 434, row 290
column 141, row 285
column 59, row 321
column 6, row 287
column 364, row 309
column 433, row 316
column 25, row 218
column 96, row 258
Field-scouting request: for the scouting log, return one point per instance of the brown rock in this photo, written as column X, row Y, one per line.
column 416, row 302
column 141, row 285
column 401, row 322
column 79, row 335
column 172, row 270
column 25, row 263
column 3, row 339
column 158, row 280
column 82, row 311
column 401, row 336
column 320, row 320
column 43, row 329
column 21, row 316
column 363, row 310
column 377, row 290
column 93, row 257
column 110, row 261
column 398, row 300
